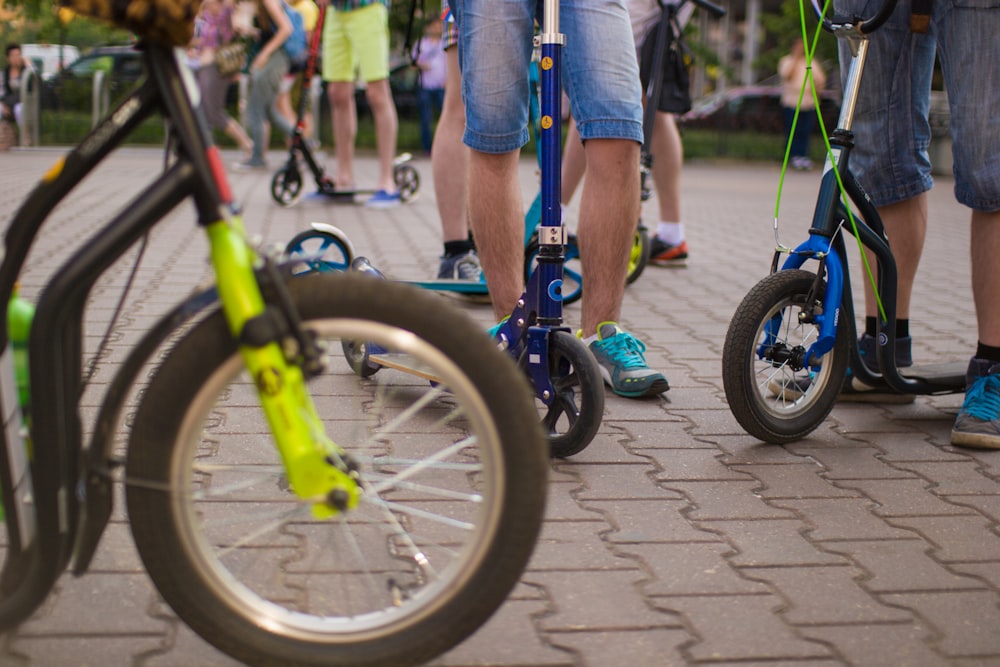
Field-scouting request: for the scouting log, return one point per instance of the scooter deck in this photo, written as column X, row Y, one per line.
column 951, row 373
column 476, row 287
column 404, row 363
column 949, row 376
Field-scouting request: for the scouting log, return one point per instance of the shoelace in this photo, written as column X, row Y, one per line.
column 626, row 350
column 982, row 400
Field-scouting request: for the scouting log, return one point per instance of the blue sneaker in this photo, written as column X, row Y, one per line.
column 620, row 357
column 978, row 423
column 383, row 199
column 461, row 267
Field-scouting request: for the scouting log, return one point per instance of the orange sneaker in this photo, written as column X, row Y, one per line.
column 661, row 251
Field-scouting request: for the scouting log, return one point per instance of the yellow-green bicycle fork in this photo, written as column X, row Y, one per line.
column 312, row 461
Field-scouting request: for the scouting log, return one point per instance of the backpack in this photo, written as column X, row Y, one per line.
column 295, row 46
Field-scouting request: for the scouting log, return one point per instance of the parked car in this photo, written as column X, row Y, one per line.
column 752, row 109
column 48, row 59
column 72, row 88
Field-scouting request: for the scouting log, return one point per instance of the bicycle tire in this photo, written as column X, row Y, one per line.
column 286, row 185
column 780, row 400
column 325, row 252
column 574, row 417
column 200, row 459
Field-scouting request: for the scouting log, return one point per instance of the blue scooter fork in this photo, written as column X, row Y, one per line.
column 819, row 248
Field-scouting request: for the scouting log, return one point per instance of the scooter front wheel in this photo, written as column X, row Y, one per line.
column 774, row 392
column 286, row 186
column 573, row 417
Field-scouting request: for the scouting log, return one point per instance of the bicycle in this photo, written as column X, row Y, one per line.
column 793, row 339
column 286, row 185
column 280, row 527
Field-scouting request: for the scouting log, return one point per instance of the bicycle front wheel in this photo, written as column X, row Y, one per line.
column 453, row 474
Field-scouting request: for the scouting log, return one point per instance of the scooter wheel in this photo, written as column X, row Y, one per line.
column 407, row 181
column 572, row 419
column 638, row 255
column 775, row 391
column 286, row 186
column 317, row 250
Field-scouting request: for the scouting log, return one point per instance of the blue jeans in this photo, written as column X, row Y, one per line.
column 430, row 101
column 891, row 123
column 600, row 73
column 803, row 128
column 264, row 85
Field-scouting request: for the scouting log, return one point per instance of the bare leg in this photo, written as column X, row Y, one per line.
column 906, row 226
column 608, row 210
column 497, row 216
column 450, row 157
column 344, row 117
column 236, row 132
column 574, row 163
column 668, row 160
column 386, row 129
column 986, row 275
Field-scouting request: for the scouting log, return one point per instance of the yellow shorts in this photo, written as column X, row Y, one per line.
column 356, row 42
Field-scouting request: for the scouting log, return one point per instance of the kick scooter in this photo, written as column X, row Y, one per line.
column 568, row 387
column 793, row 338
column 286, row 186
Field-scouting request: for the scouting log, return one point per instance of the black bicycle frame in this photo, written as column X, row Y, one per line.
column 55, row 343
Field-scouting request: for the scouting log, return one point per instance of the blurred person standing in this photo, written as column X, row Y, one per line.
column 310, row 18
column 10, row 103
column 213, row 28
column 356, row 42
column 431, row 60
column 793, row 69
column 268, row 66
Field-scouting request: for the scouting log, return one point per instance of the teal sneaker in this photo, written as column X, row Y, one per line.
column 620, row 357
column 500, row 334
column 978, row 423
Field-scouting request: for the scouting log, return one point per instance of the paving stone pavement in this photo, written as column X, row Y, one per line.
column 674, row 538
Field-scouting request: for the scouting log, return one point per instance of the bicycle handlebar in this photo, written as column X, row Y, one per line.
column 863, row 26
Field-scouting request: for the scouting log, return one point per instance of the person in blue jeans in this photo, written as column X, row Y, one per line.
column 891, row 161
column 268, row 66
column 601, row 77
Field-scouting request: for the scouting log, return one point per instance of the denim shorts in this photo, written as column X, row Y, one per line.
column 599, row 70
column 891, row 126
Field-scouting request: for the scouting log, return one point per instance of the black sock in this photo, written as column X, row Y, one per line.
column 902, row 327
column 455, row 248
column 871, row 326
column 987, row 352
